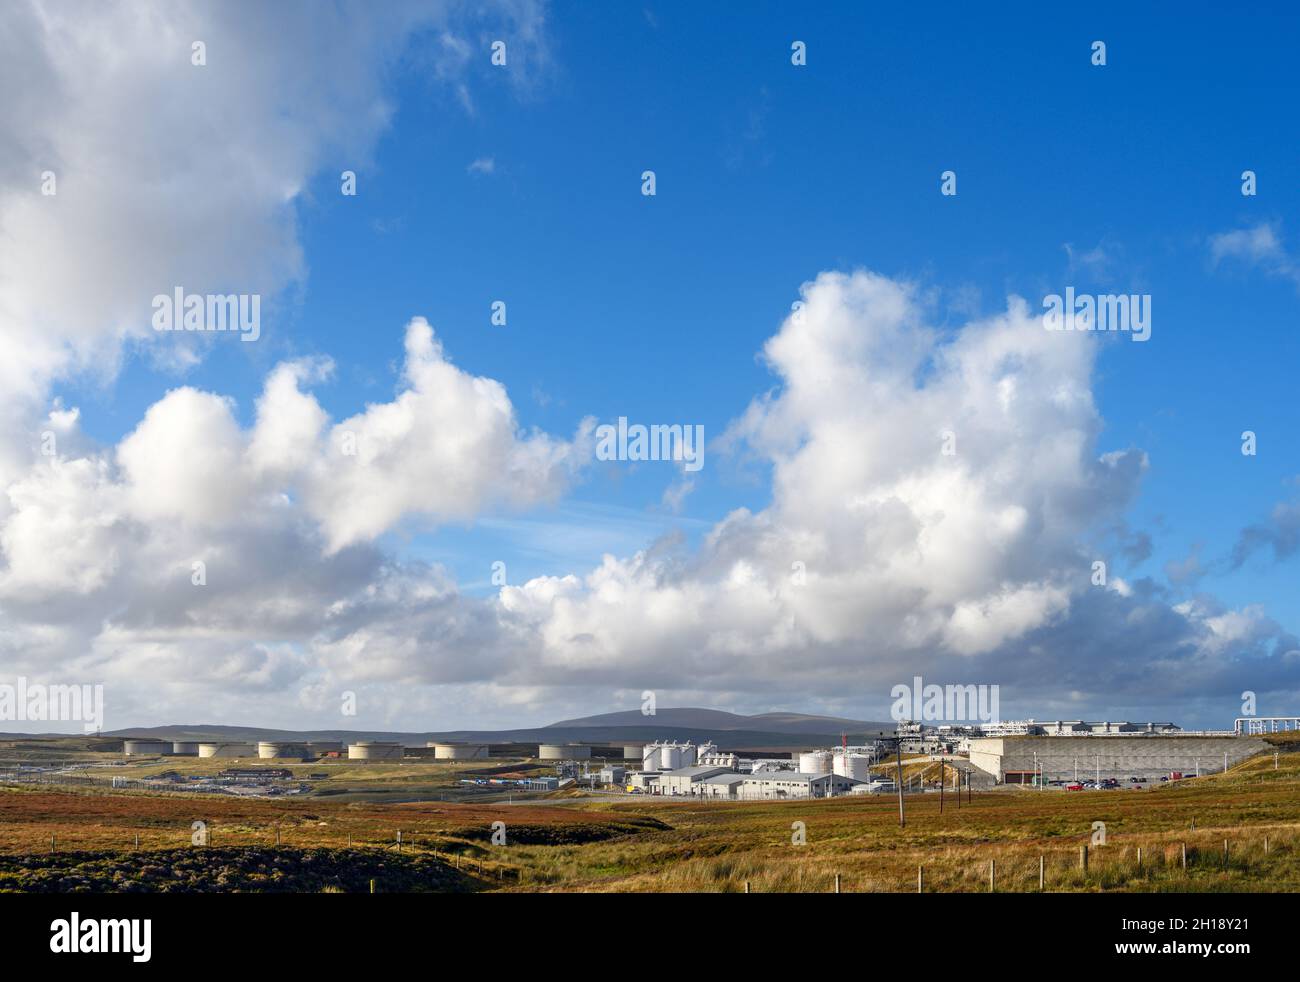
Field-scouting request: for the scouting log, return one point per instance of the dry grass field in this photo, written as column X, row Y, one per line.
column 648, row 844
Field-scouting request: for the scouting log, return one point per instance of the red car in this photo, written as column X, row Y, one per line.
column 1074, row 787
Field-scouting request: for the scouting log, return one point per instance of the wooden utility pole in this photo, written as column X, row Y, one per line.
column 941, row 779
column 902, row 819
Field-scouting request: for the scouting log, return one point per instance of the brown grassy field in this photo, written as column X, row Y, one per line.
column 646, row 844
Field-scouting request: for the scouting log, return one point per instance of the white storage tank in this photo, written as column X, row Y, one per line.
column 563, row 751
column 184, row 748
column 670, row 757
column 146, row 748
column 856, row 766
column 271, row 749
column 232, row 748
column 650, row 757
column 376, row 750
column 816, row 762
column 459, row 751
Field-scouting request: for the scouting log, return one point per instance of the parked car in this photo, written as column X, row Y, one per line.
column 1076, row 786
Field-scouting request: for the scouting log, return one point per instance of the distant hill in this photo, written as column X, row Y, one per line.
column 716, row 719
column 728, row 730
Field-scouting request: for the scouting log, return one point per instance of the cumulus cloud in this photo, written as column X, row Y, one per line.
column 930, row 494
column 100, row 551
column 168, row 173
column 902, row 548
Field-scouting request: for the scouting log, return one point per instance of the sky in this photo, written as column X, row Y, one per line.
column 398, row 504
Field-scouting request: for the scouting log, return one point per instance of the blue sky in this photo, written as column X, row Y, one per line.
column 767, row 173
column 1108, row 179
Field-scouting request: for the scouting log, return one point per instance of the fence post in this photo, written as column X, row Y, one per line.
column 747, row 886
column 837, row 882
column 1184, row 845
column 993, row 875
column 1225, row 852
column 372, row 885
column 1265, row 845
column 1139, row 857
column 1042, row 871
column 920, row 879
column 1083, row 858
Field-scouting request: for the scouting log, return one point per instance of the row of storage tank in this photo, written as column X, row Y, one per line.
column 364, row 750
column 820, row 762
column 265, row 749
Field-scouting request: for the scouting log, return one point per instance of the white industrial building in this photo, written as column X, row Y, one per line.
column 718, row 782
column 683, row 781
column 722, row 785
column 793, row 784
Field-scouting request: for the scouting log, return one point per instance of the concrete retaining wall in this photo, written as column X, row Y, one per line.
column 1119, row 756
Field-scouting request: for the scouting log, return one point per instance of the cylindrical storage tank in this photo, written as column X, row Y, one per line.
column 183, row 748
column 815, row 762
column 563, row 751
column 688, row 755
column 232, row 749
column 670, row 757
column 270, row 749
column 634, row 751
column 650, row 757
column 375, row 750
column 459, row 751
column 146, row 748
column 855, row 766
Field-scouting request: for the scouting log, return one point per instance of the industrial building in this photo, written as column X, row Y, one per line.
column 722, row 785
column 793, row 784
column 683, row 781
column 375, row 750
column 1022, row 759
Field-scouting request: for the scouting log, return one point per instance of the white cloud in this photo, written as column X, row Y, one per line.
column 963, row 567
column 170, row 174
column 1258, row 245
